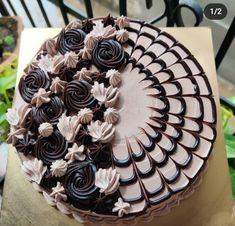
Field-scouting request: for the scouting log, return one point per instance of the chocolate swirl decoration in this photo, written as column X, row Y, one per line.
column 100, row 154
column 26, row 145
column 49, row 112
column 78, row 95
column 105, row 203
column 30, row 83
column 79, row 184
column 49, row 149
column 108, row 54
column 71, row 40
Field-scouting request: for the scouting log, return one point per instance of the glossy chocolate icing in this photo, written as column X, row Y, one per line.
column 87, row 25
column 79, row 184
column 30, row 84
column 71, row 40
column 78, row 95
column 49, row 112
column 52, row 148
column 108, row 54
column 26, row 145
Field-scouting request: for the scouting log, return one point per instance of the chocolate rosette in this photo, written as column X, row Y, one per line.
column 105, row 203
column 26, row 145
column 49, row 112
column 78, row 95
column 108, row 54
column 49, row 149
column 71, row 40
column 79, row 184
column 30, row 83
column 100, row 154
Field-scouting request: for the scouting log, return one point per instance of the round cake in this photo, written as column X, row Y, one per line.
column 113, row 120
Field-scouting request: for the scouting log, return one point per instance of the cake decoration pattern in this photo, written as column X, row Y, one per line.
column 117, row 121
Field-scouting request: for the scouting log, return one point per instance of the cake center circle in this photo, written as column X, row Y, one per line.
column 134, row 104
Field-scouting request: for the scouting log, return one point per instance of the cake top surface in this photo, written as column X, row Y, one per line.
column 113, row 118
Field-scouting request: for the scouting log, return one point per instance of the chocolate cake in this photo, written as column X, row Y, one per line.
column 114, row 121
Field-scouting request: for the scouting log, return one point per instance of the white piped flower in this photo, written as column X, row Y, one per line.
column 101, row 131
column 33, row 170
column 114, row 77
column 69, row 127
column 112, row 95
column 90, row 41
column 101, row 32
column 45, row 129
column 57, row 85
column 59, row 168
column 12, row 116
column 85, row 53
column 121, row 207
column 122, row 35
column 41, row 97
column 84, row 74
column 15, row 134
column 111, row 115
column 75, row 153
column 46, row 63
column 99, row 91
column 107, row 180
column 17, row 116
column 122, row 22
column 71, row 59
column 85, row 115
column 58, row 193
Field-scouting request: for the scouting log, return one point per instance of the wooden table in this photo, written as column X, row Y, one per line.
column 210, row 204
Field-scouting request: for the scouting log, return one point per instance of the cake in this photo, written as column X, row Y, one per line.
column 113, row 120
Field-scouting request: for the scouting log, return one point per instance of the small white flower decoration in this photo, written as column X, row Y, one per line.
column 71, row 59
column 107, row 180
column 101, row 131
column 57, row 85
column 75, row 153
column 41, row 97
column 45, row 129
column 46, row 63
column 58, row 193
column 59, row 168
column 99, row 91
column 69, row 127
column 85, row 115
column 33, row 170
column 121, row 207
column 114, row 77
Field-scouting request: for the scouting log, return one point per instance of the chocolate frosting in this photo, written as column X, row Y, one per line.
column 48, row 181
column 79, row 184
column 87, row 25
column 100, row 154
column 105, row 203
column 78, row 95
column 26, row 145
column 108, row 54
column 71, row 40
column 108, row 20
column 49, row 149
column 49, row 112
column 32, row 82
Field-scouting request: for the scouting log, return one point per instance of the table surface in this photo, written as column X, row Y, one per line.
column 210, row 204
